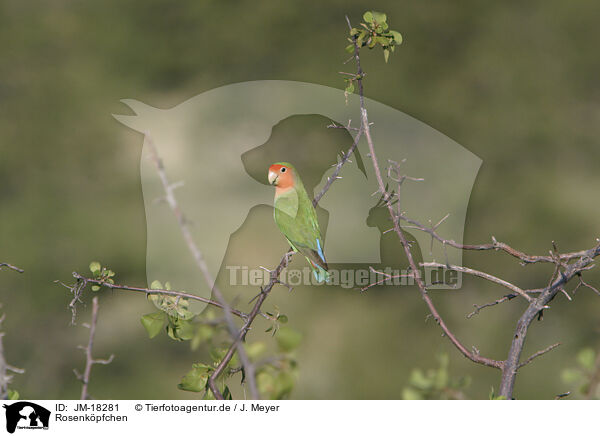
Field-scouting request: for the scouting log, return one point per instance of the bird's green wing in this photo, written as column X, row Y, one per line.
column 301, row 230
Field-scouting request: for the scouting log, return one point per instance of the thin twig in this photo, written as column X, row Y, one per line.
column 478, row 307
column 82, row 280
column 274, row 279
column 333, row 177
column 14, row 268
column 481, row 274
column 538, row 354
column 89, row 359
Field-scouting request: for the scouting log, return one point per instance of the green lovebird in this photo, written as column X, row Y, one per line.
column 296, row 217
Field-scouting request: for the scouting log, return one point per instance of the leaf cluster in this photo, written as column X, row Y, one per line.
column 374, row 31
column 585, row 377
column 435, row 384
column 101, row 273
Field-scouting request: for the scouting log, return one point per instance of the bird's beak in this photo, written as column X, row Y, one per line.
column 272, row 177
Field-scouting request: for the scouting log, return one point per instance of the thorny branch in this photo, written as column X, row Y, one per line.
column 82, row 282
column 249, row 369
column 238, row 335
column 274, row 274
column 564, row 271
column 511, row 364
column 395, row 218
column 89, row 359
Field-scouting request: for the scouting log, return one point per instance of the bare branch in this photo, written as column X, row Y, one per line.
column 478, row 307
column 475, row 357
column 89, row 359
column 495, row 245
column 584, row 284
column 511, row 365
column 539, row 353
column 481, row 274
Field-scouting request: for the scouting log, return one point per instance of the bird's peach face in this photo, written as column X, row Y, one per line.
column 280, row 176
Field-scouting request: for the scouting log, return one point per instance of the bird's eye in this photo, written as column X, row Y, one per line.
column 282, row 170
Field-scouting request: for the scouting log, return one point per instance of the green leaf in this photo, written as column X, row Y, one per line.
column 571, row 376
column 227, row 393
column 288, row 339
column 419, row 380
column 349, row 88
column 153, row 323
column 180, row 329
column 208, row 395
column 411, row 394
column 196, row 379
column 350, row 48
column 265, row 382
column 13, row 395
column 587, row 358
column 203, row 334
column 282, row 319
column 173, row 305
column 379, row 17
column 283, row 384
column 255, row 349
column 386, row 55
column 361, row 38
column 368, row 17
column 95, row 288
column 441, row 378
column 397, row 37
column 217, row 354
column 493, row 395
column 156, row 285
column 95, row 268
column 382, row 40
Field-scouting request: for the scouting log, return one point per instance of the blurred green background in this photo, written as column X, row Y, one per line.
column 515, row 83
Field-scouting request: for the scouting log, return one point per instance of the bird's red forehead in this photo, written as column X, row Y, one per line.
column 276, row 167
